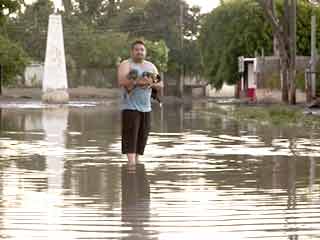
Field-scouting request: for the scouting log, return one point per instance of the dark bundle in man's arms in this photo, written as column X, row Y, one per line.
column 133, row 75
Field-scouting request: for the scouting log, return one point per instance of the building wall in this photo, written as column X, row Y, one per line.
column 101, row 78
column 225, row 91
column 33, row 75
column 194, row 85
column 268, row 71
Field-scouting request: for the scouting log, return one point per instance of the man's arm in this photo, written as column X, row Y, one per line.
column 123, row 71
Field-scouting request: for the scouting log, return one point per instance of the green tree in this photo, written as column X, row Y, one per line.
column 158, row 53
column 160, row 19
column 29, row 28
column 68, row 7
column 304, row 13
column 13, row 59
column 107, row 49
column 96, row 33
column 126, row 15
column 236, row 28
column 95, row 12
column 7, row 7
column 89, row 10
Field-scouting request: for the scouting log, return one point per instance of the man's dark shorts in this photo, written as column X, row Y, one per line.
column 135, row 131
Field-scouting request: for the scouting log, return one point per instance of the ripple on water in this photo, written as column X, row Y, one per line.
column 212, row 181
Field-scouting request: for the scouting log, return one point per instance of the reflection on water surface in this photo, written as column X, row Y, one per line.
column 204, row 176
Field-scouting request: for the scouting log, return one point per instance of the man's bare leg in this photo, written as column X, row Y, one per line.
column 131, row 160
column 137, row 158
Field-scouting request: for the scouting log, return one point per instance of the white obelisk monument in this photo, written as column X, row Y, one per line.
column 55, row 84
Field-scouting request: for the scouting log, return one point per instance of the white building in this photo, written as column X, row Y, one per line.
column 33, row 75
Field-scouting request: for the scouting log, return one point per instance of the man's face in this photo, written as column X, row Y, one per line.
column 138, row 52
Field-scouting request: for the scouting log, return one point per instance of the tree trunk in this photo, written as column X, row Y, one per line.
column 284, row 78
column 1, row 79
column 68, row 8
column 180, row 82
column 281, row 30
column 293, row 51
column 275, row 39
column 292, row 80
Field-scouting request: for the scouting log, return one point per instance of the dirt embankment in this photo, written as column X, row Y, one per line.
column 81, row 93
column 113, row 94
column 75, row 93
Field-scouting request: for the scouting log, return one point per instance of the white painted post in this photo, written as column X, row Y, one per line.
column 55, row 84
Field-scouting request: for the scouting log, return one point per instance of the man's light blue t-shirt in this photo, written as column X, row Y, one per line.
column 139, row 98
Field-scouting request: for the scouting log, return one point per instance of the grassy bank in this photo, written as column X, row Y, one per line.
column 275, row 114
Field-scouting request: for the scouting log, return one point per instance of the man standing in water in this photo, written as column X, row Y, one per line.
column 136, row 101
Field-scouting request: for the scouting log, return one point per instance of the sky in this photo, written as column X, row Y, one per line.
column 206, row 5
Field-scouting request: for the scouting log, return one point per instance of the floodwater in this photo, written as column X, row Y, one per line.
column 203, row 176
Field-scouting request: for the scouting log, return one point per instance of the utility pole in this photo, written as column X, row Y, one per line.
column 180, row 82
column 314, row 54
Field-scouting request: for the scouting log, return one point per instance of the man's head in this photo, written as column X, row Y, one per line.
column 138, row 51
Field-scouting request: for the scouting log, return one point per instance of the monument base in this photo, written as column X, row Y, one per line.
column 59, row 96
